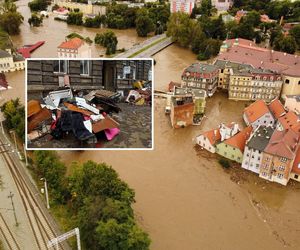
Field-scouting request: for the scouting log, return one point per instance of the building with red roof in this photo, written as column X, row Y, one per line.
column 257, row 114
column 74, row 48
column 233, row 148
column 287, row 121
column 295, row 173
column 247, row 52
column 279, row 155
column 277, row 108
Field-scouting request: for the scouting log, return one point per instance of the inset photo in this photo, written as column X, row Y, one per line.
column 89, row 104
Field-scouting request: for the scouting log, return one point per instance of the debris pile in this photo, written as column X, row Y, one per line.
column 84, row 114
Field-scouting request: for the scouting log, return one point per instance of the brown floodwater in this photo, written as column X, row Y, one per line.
column 185, row 200
column 54, row 32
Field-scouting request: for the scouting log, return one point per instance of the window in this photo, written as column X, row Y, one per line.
column 283, row 159
column 296, row 176
column 281, row 168
column 84, row 67
column 298, row 82
column 60, row 66
column 280, row 176
column 287, row 81
column 257, row 165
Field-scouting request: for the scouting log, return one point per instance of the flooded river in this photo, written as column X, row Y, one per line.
column 185, row 200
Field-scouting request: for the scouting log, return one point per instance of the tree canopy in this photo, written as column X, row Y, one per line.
column 109, row 40
column 10, row 18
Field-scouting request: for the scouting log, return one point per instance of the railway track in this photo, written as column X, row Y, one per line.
column 40, row 226
column 7, row 235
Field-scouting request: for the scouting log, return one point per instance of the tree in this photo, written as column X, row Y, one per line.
column 109, row 40
column 75, row 18
column 10, row 19
column 5, row 41
column 206, row 8
column 286, row 44
column 35, row 21
column 181, row 28
column 144, row 25
column 252, row 18
column 295, row 32
column 14, row 114
column 38, row 5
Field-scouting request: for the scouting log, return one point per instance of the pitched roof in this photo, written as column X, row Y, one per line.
column 201, row 68
column 213, row 136
column 256, row 110
column 73, row 43
column 276, row 108
column 239, row 140
column 289, row 120
column 248, row 52
column 296, row 164
column 283, row 143
column 260, row 138
column 4, row 54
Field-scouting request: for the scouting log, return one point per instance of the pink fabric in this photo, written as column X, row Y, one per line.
column 111, row 133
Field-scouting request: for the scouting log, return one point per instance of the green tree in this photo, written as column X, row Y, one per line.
column 206, row 8
column 14, row 114
column 5, row 41
column 144, row 25
column 10, row 19
column 295, row 32
column 38, row 5
column 252, row 18
column 109, row 40
column 75, row 18
column 286, row 44
column 35, row 20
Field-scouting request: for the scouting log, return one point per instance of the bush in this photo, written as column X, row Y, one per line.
column 35, row 21
column 38, row 5
column 75, row 18
column 109, row 40
column 224, row 163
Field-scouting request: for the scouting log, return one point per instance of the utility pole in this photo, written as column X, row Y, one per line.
column 11, row 195
column 46, row 192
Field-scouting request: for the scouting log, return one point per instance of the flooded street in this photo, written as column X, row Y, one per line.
column 185, row 200
column 54, row 33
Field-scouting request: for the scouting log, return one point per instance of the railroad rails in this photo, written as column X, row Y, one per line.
column 7, row 235
column 42, row 229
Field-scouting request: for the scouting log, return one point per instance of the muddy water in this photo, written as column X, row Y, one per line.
column 54, row 32
column 184, row 199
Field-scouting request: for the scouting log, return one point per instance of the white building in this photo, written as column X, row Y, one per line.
column 185, row 6
column 222, row 5
column 258, row 114
column 74, row 48
column 254, row 147
column 10, row 62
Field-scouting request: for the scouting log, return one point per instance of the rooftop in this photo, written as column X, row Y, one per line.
column 283, row 143
column 260, row 138
column 239, row 140
column 289, row 120
column 4, row 54
column 213, row 136
column 201, row 68
column 296, row 97
column 296, row 164
column 276, row 108
column 73, row 43
column 256, row 110
column 247, row 52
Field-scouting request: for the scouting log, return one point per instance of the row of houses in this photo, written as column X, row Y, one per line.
column 269, row 145
column 246, row 72
column 10, row 61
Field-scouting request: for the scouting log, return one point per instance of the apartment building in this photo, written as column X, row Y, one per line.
column 10, row 62
column 74, row 48
column 254, row 148
column 258, row 114
column 185, row 6
column 278, row 157
column 292, row 103
column 201, row 76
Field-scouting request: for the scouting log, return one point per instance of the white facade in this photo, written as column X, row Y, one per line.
column 266, row 120
column 84, row 51
column 227, row 132
column 204, row 142
column 7, row 63
column 252, row 159
column 222, row 5
column 292, row 103
column 185, row 6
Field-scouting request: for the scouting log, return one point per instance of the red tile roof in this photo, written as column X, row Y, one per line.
column 256, row 110
column 249, row 53
column 283, row 143
column 296, row 166
column 276, row 108
column 239, row 140
column 213, row 136
column 73, row 43
column 289, row 120
column 3, row 81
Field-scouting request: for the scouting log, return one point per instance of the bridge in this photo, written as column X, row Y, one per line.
column 147, row 48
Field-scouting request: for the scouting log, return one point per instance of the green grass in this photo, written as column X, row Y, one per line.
column 147, row 47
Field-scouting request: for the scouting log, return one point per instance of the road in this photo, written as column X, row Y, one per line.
column 35, row 224
column 152, row 50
